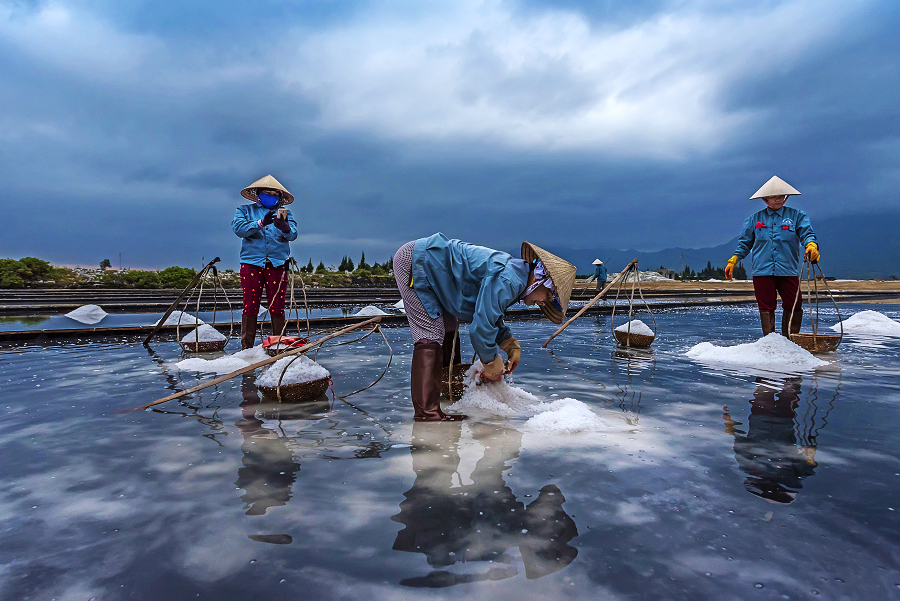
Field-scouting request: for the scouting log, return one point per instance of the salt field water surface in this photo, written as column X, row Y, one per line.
column 701, row 479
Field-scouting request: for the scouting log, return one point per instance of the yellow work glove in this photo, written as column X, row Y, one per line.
column 812, row 252
column 493, row 371
column 513, row 351
column 730, row 267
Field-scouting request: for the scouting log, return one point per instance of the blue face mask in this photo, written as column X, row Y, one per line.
column 268, row 200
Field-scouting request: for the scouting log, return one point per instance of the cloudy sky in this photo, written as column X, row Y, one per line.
column 131, row 125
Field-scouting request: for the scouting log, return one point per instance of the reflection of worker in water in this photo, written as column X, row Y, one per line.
column 768, row 452
column 600, row 273
column 482, row 520
column 774, row 236
column 269, row 467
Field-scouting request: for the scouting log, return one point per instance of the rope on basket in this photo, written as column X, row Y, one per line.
column 637, row 280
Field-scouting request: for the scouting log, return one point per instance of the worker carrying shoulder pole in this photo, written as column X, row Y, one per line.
column 599, row 273
column 445, row 281
column 773, row 237
column 266, row 229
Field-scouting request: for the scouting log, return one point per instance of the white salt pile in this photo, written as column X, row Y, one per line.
column 181, row 318
column 226, row 364
column 204, row 333
column 869, row 322
column 262, row 311
column 370, row 311
column 649, row 276
column 300, row 370
column 773, row 352
column 399, row 305
column 88, row 314
column 564, row 416
column 637, row 327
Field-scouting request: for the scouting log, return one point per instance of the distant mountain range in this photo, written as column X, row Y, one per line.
column 852, row 247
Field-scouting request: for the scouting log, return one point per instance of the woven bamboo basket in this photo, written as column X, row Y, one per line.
column 204, row 346
column 818, row 343
column 297, row 393
column 633, row 340
column 459, row 372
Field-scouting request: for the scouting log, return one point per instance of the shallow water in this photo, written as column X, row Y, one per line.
column 727, row 484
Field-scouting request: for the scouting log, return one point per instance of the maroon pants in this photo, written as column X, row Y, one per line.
column 253, row 279
column 766, row 286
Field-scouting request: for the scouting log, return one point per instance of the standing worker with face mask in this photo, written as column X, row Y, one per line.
column 266, row 229
column 774, row 237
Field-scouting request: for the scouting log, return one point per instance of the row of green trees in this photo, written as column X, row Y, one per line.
column 347, row 266
column 711, row 273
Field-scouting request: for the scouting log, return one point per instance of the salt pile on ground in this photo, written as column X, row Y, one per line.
column 204, row 333
column 565, row 416
column 300, row 370
column 181, row 318
column 370, row 311
column 773, row 352
column 649, row 276
column 226, row 364
column 88, row 314
column 869, row 322
column 637, row 327
column 398, row 305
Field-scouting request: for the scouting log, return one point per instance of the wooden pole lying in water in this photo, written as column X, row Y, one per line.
column 590, row 304
column 244, row 370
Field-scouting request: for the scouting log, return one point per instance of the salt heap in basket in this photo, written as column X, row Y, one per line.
column 204, row 339
column 303, row 380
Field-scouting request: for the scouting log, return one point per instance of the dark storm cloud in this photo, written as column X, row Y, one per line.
column 140, row 122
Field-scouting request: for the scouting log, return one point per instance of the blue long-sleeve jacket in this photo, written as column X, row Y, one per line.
column 473, row 283
column 776, row 240
column 600, row 272
column 261, row 244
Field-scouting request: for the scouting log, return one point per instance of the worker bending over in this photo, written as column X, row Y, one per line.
column 445, row 281
column 773, row 238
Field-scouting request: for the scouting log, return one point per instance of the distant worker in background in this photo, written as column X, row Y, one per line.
column 443, row 282
column 773, row 237
column 599, row 273
column 266, row 228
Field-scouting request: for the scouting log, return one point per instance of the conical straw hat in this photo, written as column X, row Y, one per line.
column 775, row 187
column 597, row 262
column 562, row 274
column 270, row 183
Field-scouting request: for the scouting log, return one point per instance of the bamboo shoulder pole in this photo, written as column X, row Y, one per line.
column 590, row 304
column 244, row 370
column 184, row 292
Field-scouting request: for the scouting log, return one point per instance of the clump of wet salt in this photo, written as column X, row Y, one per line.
column 869, row 322
column 370, row 311
column 300, row 370
column 561, row 416
column 181, row 318
column 567, row 416
column 87, row 314
column 204, row 333
column 226, row 364
column 637, row 327
column 773, row 352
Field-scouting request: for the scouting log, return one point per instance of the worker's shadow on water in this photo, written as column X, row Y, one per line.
column 777, row 451
column 452, row 522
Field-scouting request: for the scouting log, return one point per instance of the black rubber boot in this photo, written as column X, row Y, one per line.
column 767, row 319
